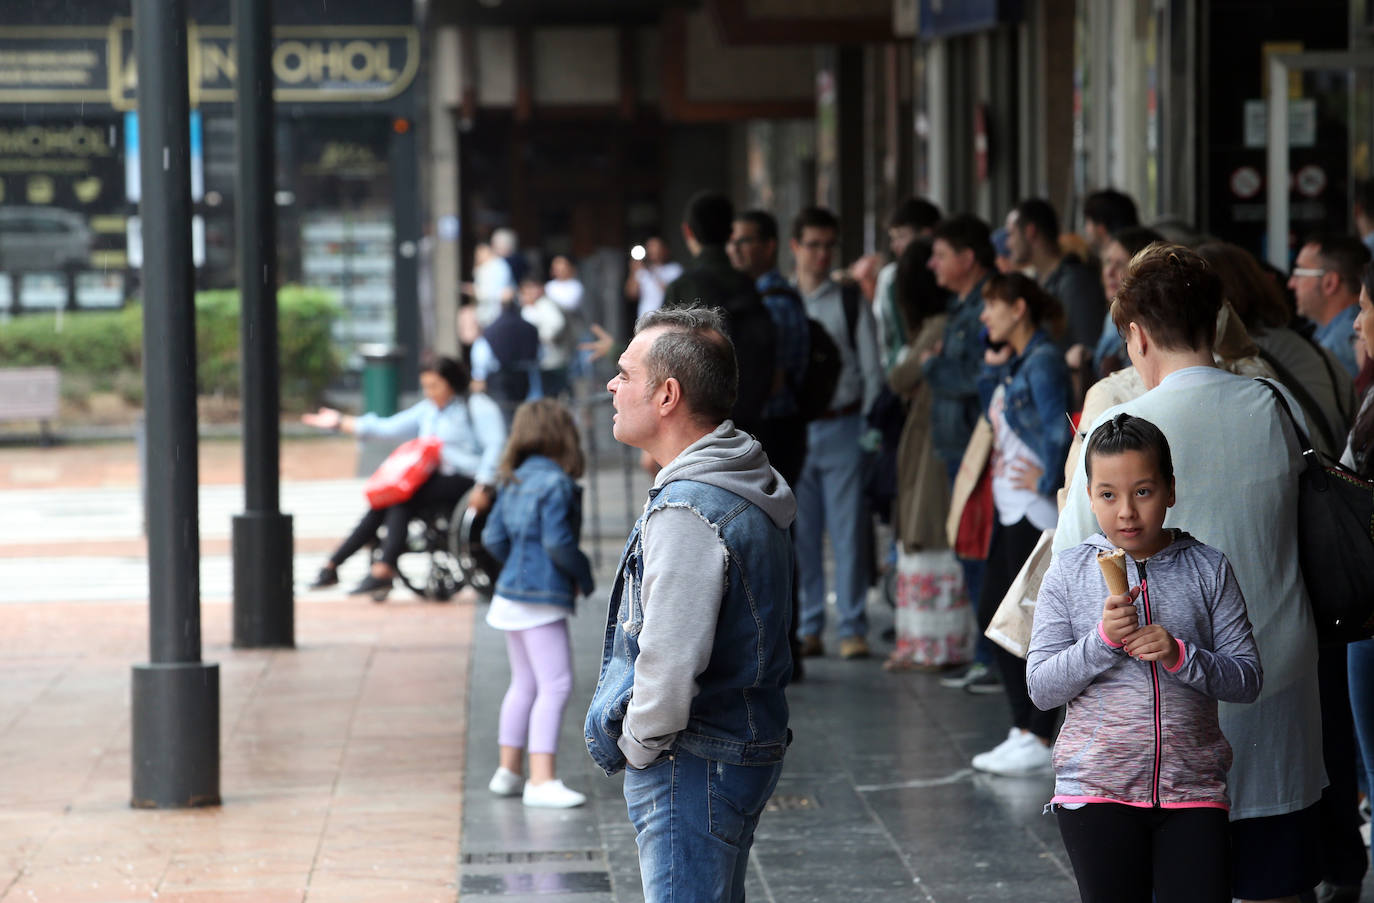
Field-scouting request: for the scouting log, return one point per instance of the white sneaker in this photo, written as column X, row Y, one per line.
column 1013, row 737
column 552, row 795
column 505, row 782
column 1022, row 758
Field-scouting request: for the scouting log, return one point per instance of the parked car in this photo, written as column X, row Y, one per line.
column 37, row 239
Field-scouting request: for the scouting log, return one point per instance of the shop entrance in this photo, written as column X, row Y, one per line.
column 1289, row 192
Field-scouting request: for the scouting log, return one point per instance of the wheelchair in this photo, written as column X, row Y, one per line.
column 452, row 540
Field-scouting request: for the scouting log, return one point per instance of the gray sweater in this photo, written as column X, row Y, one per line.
column 684, row 580
column 1137, row 732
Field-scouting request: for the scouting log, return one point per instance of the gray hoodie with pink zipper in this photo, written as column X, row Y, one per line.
column 1136, row 732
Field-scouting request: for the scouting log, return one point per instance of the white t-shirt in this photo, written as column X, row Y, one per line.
column 653, row 280
column 566, row 293
column 507, row 614
column 1010, row 457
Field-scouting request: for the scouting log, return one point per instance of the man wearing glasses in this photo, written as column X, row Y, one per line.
column 1326, row 282
column 830, row 496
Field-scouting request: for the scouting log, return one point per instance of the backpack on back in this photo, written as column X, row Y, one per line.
column 754, row 337
column 824, row 362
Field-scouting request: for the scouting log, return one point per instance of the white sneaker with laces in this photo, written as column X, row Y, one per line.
column 1013, row 737
column 505, row 782
column 1023, row 758
column 552, row 795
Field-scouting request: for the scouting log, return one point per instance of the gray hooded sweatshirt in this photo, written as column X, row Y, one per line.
column 1137, row 732
column 684, row 582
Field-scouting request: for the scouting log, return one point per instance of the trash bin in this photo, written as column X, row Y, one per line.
column 381, row 379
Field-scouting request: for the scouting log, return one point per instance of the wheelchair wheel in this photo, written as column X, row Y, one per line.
column 476, row 566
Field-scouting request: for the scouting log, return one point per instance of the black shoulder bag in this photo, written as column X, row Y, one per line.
column 1335, row 541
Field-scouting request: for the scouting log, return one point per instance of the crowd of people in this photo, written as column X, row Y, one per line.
column 1010, row 404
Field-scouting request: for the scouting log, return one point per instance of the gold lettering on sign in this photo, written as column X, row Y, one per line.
column 356, row 62
column 309, row 63
column 40, row 141
column 217, row 62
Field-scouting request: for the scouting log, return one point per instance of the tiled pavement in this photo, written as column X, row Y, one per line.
column 354, row 767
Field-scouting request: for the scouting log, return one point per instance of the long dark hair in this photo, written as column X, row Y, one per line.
column 918, row 296
column 1362, row 436
column 1044, row 309
column 452, row 371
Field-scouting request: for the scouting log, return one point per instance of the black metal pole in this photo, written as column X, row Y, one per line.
column 175, row 744
column 264, row 612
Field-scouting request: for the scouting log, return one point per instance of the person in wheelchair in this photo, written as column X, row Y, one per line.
column 473, row 434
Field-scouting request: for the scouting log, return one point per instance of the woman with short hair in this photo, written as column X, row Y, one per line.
column 1237, row 462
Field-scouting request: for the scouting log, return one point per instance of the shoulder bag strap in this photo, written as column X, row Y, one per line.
column 1309, row 404
column 1305, row 442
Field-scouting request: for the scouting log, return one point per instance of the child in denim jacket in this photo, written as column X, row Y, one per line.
column 533, row 529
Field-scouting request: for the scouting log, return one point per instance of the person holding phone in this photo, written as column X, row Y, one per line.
column 1025, row 390
column 649, row 278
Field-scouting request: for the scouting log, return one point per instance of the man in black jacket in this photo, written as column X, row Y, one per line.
column 712, row 281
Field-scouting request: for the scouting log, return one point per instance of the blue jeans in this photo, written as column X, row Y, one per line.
column 694, row 823
column 1360, row 667
column 830, row 499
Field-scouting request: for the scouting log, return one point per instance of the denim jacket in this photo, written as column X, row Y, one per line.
column 953, row 378
column 533, row 529
column 1037, row 401
column 739, row 713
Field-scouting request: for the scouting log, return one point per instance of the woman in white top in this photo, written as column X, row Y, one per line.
column 1026, row 392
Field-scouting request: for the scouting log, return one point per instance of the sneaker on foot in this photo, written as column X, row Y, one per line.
column 811, row 646
column 854, row 647
column 958, row 679
column 505, row 782
column 1013, row 737
column 984, row 684
column 1021, row 758
column 552, row 795
column 328, row 576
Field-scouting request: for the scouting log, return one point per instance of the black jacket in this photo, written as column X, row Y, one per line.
column 712, row 282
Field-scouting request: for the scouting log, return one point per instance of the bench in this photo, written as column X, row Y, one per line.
column 30, row 393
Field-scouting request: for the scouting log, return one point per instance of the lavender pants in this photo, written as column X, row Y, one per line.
column 540, row 684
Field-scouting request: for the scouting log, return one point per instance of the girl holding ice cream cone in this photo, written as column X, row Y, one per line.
column 1141, row 662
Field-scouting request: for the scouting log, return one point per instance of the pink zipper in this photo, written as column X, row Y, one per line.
column 1154, row 679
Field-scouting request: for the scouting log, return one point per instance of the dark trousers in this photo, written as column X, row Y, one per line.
column 1010, row 548
column 438, row 492
column 1344, row 858
column 784, row 441
column 1122, row 854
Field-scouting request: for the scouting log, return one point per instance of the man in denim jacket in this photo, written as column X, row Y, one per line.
column 690, row 699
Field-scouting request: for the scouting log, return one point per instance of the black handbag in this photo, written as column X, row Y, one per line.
column 1335, row 541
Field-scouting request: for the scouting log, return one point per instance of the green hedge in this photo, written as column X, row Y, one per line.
column 104, row 347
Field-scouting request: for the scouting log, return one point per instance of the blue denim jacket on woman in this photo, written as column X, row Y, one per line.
column 739, row 714
column 953, row 378
column 533, row 529
column 1037, row 399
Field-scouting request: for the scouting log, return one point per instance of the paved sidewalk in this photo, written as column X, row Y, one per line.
column 354, row 767
column 876, row 802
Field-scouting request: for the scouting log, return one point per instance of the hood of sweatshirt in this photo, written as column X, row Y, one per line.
column 734, row 460
column 1182, row 540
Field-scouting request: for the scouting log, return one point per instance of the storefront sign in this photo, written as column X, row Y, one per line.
column 328, row 63
column 312, row 64
column 54, row 65
column 1302, row 123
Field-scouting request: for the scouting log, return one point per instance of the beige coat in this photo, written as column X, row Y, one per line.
column 922, row 482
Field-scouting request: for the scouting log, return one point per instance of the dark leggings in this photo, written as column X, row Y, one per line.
column 439, row 491
column 1010, row 548
column 1122, row 854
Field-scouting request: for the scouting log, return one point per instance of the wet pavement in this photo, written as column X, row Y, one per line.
column 875, row 803
column 354, row 767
